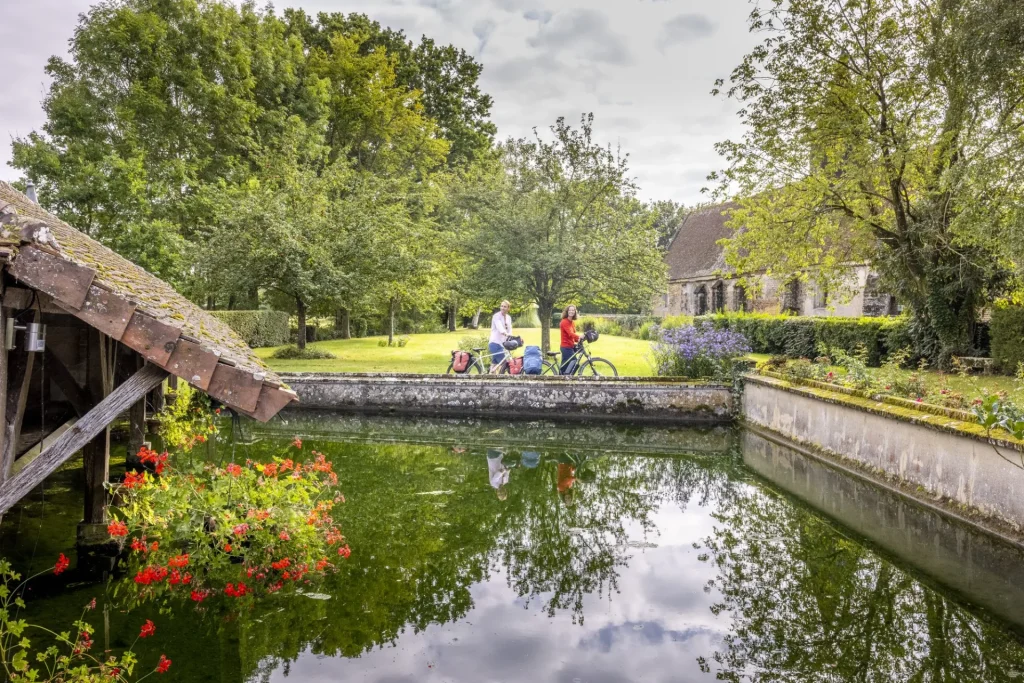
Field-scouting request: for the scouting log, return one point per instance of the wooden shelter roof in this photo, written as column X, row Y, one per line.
column 696, row 251
column 131, row 305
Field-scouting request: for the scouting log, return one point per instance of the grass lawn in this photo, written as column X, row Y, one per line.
column 426, row 353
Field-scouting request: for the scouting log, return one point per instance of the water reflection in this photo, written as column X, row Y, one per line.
column 661, row 557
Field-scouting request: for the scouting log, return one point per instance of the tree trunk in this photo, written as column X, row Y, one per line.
column 341, row 323
column 391, row 321
column 300, row 308
column 453, row 311
column 545, row 309
column 232, row 300
column 476, row 320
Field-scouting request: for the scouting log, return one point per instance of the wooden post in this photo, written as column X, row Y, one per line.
column 96, row 463
column 156, row 399
column 3, row 396
column 19, row 378
column 136, row 424
column 84, row 431
column 172, row 389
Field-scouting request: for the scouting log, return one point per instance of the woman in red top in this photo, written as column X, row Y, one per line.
column 569, row 336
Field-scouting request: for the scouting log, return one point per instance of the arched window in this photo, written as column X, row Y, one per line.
column 700, row 301
column 739, row 299
column 718, row 297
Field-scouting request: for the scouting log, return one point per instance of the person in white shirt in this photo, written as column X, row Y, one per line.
column 501, row 327
column 497, row 472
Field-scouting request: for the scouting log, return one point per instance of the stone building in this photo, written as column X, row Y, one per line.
column 699, row 281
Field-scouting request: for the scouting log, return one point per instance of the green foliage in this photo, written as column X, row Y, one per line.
column 559, row 221
column 51, row 657
column 257, row 328
column 1007, row 330
column 292, row 352
column 526, row 320
column 474, row 341
column 187, row 421
column 195, row 529
column 884, row 131
column 801, row 337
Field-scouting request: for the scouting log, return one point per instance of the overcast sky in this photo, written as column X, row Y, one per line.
column 644, row 67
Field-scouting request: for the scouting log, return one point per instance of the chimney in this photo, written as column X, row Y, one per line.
column 30, row 192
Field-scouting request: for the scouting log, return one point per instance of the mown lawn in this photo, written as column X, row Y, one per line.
column 427, row 353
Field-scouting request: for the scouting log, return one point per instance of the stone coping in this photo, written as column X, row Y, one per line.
column 934, row 417
column 411, row 377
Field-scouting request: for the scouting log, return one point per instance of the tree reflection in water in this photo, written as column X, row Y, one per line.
column 810, row 604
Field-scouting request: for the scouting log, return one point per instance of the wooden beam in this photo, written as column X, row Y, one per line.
column 84, row 431
column 136, row 422
column 3, row 393
column 76, row 395
column 19, row 378
column 96, row 463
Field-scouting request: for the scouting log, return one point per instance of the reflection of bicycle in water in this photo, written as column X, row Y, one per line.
column 581, row 363
column 472, row 362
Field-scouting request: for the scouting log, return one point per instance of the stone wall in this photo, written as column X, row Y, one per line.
column 984, row 569
column 966, row 471
column 631, row 398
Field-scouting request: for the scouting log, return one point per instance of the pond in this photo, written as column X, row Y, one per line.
column 533, row 551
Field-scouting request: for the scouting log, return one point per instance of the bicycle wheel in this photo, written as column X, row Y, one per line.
column 471, row 369
column 597, row 367
column 548, row 368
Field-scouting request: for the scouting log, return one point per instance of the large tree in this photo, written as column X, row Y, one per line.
column 889, row 131
column 557, row 221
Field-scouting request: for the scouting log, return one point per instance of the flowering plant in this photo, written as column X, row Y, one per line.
column 199, row 530
column 698, row 351
column 188, row 421
column 69, row 657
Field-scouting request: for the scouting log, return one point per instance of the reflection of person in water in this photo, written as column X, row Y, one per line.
column 566, row 479
column 497, row 472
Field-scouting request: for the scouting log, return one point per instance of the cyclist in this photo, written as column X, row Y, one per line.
column 501, row 329
column 569, row 336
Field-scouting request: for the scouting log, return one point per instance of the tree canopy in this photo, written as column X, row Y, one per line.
column 889, row 131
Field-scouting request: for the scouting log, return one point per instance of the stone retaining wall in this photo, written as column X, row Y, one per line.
column 607, row 398
column 924, row 452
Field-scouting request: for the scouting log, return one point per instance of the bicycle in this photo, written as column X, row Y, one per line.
column 591, row 367
column 472, row 361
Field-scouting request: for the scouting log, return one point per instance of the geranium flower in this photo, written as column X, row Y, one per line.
column 344, row 551
column 178, row 561
column 117, row 529
column 297, row 443
column 163, row 665
column 148, row 629
column 134, row 480
column 62, row 564
column 233, row 469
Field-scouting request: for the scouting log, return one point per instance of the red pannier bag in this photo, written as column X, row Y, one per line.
column 515, row 365
column 460, row 360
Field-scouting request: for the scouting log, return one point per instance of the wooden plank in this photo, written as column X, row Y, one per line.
column 84, row 431
column 96, row 463
column 107, row 312
column 235, row 387
column 4, row 361
column 272, row 400
column 65, row 281
column 192, row 363
column 17, row 298
column 36, row 449
column 153, row 339
column 59, row 373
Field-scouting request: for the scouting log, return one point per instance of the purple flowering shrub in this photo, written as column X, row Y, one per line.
column 698, row 351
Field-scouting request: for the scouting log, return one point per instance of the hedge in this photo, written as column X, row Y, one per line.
column 257, row 328
column 1006, row 332
column 799, row 337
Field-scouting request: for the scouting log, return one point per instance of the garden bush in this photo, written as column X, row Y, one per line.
column 257, row 328
column 801, row 337
column 308, row 353
column 698, row 351
column 1007, row 337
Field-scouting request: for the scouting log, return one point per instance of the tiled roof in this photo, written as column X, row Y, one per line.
column 695, row 251
column 135, row 307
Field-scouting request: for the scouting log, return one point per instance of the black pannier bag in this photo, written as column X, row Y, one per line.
column 512, row 343
column 591, row 336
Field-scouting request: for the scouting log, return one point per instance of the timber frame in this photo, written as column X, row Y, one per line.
column 103, row 312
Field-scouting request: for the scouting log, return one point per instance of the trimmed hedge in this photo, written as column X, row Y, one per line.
column 257, row 328
column 1007, row 336
column 799, row 337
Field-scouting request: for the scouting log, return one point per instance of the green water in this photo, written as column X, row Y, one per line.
column 486, row 551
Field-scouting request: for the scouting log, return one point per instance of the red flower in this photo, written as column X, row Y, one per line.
column 227, row 547
column 134, row 480
column 163, row 665
column 117, row 529
column 322, row 564
column 178, row 561
column 234, row 592
column 344, row 551
column 233, row 469
column 199, row 596
column 62, row 564
column 115, row 672
column 281, row 564
column 154, row 545
column 297, row 443
column 241, row 529
column 92, row 604
column 201, row 438
column 138, row 546
column 284, row 536
column 148, row 629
